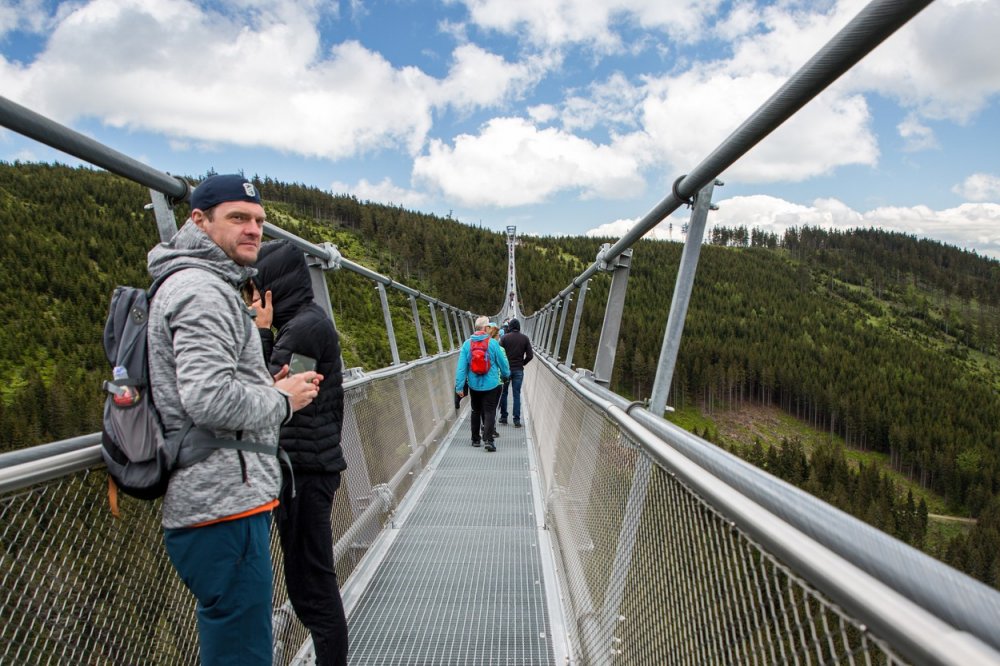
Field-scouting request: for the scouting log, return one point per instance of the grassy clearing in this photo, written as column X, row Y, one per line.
column 771, row 425
column 940, row 533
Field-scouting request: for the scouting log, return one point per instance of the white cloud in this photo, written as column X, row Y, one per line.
column 741, row 20
column 274, row 82
column 971, row 226
column 669, row 229
column 481, row 79
column 267, row 85
column 608, row 103
column 689, row 115
column 513, row 163
column 384, row 191
column 543, row 113
column 559, row 22
column 916, row 135
column 27, row 15
column 979, row 187
column 942, row 64
column 24, row 156
column 776, row 215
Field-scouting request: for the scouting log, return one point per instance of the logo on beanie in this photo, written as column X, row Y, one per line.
column 249, row 189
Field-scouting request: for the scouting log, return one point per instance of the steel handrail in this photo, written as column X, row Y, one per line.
column 950, row 595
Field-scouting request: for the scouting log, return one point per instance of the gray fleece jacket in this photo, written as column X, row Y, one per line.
column 206, row 363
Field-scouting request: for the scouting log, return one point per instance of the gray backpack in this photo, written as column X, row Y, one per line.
column 140, row 456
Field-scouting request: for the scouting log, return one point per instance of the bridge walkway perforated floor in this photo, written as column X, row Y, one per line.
column 462, row 582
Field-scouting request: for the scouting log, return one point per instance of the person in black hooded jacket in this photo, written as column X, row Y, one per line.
column 312, row 440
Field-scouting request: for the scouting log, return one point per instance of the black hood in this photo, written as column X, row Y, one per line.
column 513, row 325
column 281, row 267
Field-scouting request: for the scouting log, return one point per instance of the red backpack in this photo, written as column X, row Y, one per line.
column 479, row 356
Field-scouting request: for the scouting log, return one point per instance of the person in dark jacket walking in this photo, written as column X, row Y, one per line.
column 519, row 354
column 312, row 440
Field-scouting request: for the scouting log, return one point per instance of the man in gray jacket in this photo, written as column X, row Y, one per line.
column 207, row 367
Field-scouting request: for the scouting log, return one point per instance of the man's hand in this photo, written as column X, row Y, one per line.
column 302, row 387
column 264, row 307
column 460, row 394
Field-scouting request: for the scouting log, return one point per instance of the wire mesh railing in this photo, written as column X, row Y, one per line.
column 662, row 562
column 78, row 586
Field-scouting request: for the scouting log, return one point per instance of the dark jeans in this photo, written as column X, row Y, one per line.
column 516, row 379
column 227, row 566
column 484, row 412
column 307, row 543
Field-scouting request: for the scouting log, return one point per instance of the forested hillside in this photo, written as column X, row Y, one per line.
column 888, row 341
column 885, row 340
column 69, row 236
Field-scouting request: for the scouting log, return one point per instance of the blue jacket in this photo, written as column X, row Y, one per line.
column 485, row 382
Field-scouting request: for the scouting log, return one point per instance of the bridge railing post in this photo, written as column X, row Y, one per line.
column 446, row 316
column 459, row 333
column 577, row 315
column 163, row 211
column 389, row 330
column 416, row 323
column 556, row 308
column 434, row 325
column 546, row 328
column 562, row 324
column 608, row 343
column 320, row 290
column 680, row 300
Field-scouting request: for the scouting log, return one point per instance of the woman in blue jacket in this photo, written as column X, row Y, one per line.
column 478, row 362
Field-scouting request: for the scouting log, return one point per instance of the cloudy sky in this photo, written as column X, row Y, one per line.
column 558, row 116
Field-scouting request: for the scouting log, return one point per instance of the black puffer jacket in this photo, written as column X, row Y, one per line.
column 312, row 437
column 517, row 346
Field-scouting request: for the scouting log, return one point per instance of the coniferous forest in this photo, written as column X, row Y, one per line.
column 887, row 342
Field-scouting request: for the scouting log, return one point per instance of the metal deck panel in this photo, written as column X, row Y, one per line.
column 463, row 581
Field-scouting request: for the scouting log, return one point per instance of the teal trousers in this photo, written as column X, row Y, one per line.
column 227, row 566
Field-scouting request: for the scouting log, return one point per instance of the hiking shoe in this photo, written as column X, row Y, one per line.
column 490, row 447
column 495, row 434
column 502, row 421
column 517, row 424
column 475, row 442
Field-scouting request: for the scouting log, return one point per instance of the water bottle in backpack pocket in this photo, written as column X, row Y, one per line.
column 139, row 454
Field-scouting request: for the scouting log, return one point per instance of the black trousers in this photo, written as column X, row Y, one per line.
column 307, row 543
column 484, row 412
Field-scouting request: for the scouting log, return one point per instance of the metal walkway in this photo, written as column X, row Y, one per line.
column 464, row 573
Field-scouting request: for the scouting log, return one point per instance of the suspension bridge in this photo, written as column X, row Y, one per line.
column 597, row 534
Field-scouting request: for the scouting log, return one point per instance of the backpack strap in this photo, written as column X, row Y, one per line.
column 201, row 443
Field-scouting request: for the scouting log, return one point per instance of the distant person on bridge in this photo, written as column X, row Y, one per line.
column 478, row 361
column 312, row 441
column 494, row 332
column 518, row 348
column 207, row 367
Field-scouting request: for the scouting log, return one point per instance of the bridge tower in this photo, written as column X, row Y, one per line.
column 510, row 306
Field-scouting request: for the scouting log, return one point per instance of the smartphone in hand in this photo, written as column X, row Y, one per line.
column 300, row 363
